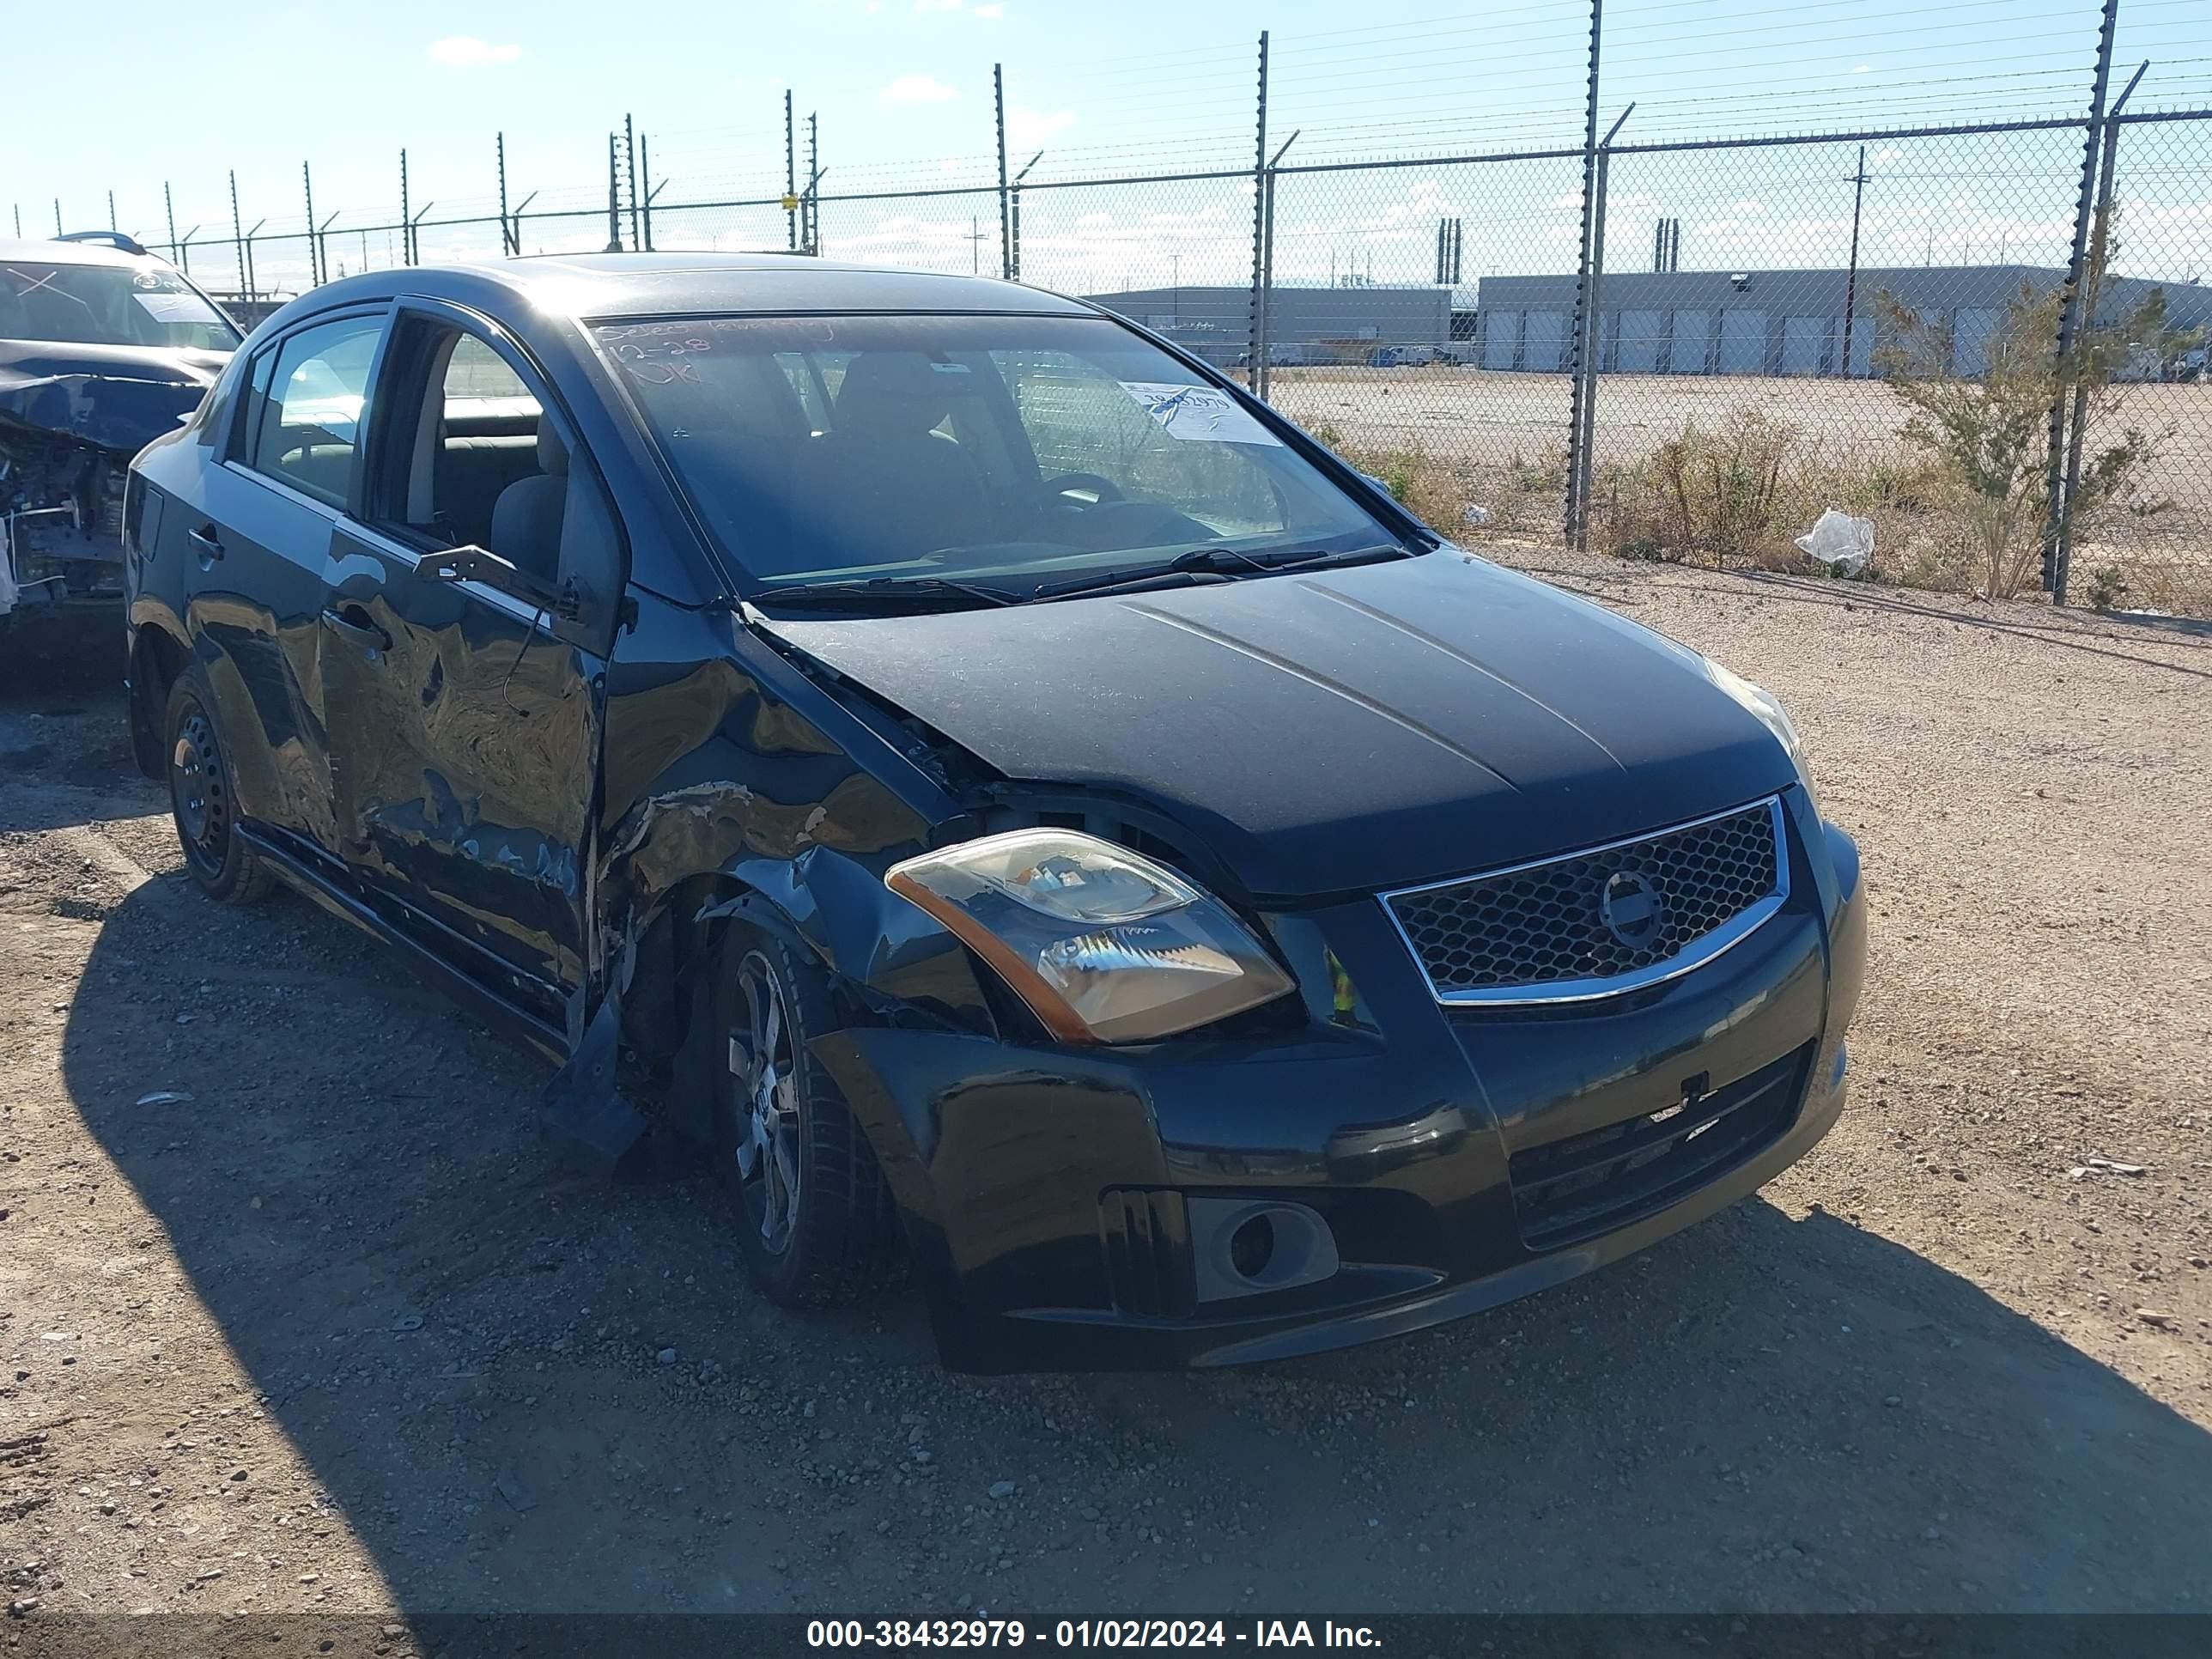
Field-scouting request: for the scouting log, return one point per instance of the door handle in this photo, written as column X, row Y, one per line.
column 203, row 538
column 353, row 624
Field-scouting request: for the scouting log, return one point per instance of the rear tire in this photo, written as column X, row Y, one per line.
column 204, row 801
column 815, row 1219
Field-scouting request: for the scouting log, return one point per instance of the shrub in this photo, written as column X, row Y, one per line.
column 1989, row 436
column 1721, row 491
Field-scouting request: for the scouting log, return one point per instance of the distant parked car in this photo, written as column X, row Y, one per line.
column 1402, row 357
column 1022, row 804
column 103, row 348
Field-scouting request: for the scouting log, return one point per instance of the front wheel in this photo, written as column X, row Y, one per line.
column 815, row 1219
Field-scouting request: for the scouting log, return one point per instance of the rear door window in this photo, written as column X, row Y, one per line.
column 308, row 427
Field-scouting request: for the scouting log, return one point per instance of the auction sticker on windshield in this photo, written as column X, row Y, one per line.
column 176, row 307
column 1203, row 412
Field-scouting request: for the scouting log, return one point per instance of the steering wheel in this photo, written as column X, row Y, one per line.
column 1060, row 490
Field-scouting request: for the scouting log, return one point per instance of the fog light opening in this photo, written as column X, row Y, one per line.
column 1252, row 1246
column 1247, row 1247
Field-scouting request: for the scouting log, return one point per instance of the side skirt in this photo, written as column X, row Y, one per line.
column 548, row 1040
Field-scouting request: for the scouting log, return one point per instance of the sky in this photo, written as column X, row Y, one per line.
column 902, row 90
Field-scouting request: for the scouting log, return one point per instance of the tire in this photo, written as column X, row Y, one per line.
column 814, row 1218
column 202, row 800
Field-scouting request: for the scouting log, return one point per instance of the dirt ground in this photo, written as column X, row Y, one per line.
column 295, row 1314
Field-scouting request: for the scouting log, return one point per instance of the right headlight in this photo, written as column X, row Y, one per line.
column 1768, row 708
column 1103, row 943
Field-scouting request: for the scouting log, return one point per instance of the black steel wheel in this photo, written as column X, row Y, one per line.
column 203, row 802
column 815, row 1219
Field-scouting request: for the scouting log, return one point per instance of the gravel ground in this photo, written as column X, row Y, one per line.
column 296, row 1315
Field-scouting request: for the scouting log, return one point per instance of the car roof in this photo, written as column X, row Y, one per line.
column 73, row 253
column 641, row 285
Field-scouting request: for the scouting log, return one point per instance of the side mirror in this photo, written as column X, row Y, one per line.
column 481, row 564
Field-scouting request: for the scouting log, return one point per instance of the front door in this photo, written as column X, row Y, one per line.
column 465, row 725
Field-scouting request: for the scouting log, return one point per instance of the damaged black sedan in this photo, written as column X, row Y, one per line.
column 103, row 349
column 1018, row 807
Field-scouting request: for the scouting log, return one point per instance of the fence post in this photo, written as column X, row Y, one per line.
column 314, row 270
column 629, row 158
column 1014, row 203
column 790, row 176
column 614, row 201
column 506, row 233
column 238, row 230
column 2099, row 250
column 168, row 207
column 1572, row 507
column 1586, row 440
column 1267, row 282
column 1006, row 193
column 1252, row 340
column 2070, row 309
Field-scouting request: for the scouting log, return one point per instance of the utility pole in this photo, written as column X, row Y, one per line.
column 1858, row 183
column 2069, row 313
column 790, row 176
column 1006, row 191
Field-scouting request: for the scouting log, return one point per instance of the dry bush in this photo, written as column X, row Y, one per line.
column 1988, row 436
column 1729, row 491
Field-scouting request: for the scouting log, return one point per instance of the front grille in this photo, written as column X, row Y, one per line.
column 1595, row 923
column 1147, row 1238
column 1591, row 1183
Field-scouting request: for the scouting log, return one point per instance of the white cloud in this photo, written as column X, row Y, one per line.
column 1030, row 126
column 466, row 51
column 1861, row 69
column 1888, row 153
column 996, row 8
column 918, row 89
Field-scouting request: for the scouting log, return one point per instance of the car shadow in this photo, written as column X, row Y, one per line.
column 521, row 1389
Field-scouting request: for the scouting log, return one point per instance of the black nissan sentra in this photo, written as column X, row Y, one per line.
column 1019, row 808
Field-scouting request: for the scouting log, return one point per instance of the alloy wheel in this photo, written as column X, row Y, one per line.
column 766, row 1104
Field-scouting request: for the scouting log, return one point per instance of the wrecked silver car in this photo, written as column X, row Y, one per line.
column 103, row 348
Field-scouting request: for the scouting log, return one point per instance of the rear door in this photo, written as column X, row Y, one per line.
column 254, row 547
column 465, row 724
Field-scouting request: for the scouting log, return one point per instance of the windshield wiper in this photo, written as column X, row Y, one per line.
column 1221, row 562
column 872, row 592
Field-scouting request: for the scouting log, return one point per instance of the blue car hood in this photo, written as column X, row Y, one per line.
column 1342, row 731
column 119, row 398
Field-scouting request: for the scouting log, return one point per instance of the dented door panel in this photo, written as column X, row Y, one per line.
column 464, row 745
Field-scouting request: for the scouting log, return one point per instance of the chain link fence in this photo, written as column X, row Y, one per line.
column 1737, row 336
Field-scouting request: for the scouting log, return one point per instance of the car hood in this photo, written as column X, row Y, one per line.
column 1341, row 730
column 115, row 398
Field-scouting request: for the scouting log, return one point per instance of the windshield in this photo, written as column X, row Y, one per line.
column 965, row 449
column 107, row 305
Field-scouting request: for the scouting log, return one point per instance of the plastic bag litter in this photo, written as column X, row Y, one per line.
column 1474, row 515
column 1840, row 542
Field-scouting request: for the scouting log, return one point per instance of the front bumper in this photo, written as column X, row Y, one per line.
column 1046, row 1188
